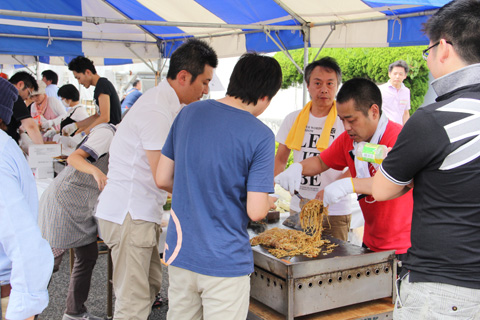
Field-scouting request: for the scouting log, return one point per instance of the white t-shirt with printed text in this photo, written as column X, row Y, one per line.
column 310, row 186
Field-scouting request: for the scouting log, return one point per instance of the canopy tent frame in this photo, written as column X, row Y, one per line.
column 139, row 57
column 102, row 20
column 256, row 27
column 300, row 24
column 20, row 62
column 333, row 27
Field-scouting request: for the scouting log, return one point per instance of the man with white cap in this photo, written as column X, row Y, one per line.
column 48, row 111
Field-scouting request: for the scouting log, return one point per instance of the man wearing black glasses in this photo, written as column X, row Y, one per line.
column 439, row 151
column 25, row 85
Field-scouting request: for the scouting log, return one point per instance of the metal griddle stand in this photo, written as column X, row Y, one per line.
column 300, row 286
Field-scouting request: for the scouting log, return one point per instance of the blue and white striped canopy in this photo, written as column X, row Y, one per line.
column 122, row 30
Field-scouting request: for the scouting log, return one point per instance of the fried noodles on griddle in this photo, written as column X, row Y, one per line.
column 287, row 242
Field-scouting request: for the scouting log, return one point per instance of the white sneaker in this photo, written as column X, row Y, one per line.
column 83, row 316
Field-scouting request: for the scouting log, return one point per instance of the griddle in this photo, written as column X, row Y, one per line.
column 297, row 286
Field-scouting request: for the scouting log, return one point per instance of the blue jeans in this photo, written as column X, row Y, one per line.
column 432, row 301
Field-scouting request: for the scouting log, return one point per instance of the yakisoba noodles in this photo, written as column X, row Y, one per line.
column 287, row 242
column 311, row 218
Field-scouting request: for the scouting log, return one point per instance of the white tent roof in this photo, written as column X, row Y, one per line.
column 121, row 30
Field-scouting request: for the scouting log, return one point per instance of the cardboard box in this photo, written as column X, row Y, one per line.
column 43, row 172
column 41, row 155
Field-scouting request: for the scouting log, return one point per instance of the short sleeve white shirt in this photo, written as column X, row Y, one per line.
column 97, row 143
column 310, row 186
column 131, row 187
column 78, row 113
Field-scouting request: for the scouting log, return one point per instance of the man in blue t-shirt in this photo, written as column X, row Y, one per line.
column 218, row 163
column 131, row 96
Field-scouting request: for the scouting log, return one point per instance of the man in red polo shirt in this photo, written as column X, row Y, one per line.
column 387, row 224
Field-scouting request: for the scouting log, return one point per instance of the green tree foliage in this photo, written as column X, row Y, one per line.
column 370, row 63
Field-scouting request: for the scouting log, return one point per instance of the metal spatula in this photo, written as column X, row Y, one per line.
column 303, row 201
column 294, row 220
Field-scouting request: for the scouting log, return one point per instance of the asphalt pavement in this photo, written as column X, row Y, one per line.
column 97, row 299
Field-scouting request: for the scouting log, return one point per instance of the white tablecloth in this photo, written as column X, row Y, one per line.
column 42, row 185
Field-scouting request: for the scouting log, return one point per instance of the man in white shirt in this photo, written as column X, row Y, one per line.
column 130, row 207
column 310, row 131
column 395, row 95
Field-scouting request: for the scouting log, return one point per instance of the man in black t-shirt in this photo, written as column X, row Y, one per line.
column 105, row 97
column 439, row 151
column 25, row 85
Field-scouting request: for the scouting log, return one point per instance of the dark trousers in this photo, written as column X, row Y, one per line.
column 79, row 286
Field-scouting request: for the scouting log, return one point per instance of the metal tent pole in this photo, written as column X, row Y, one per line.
column 101, row 20
column 306, row 41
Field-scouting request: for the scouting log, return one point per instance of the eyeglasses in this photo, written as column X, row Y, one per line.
column 426, row 51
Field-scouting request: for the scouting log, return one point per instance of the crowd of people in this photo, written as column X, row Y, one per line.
column 218, row 162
